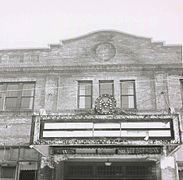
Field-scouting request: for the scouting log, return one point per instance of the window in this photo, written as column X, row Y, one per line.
column 106, row 87
column 16, row 96
column 1, row 96
column 16, row 58
column 128, row 94
column 84, row 94
column 180, row 174
column 28, row 174
column 8, row 172
column 181, row 88
column 34, row 58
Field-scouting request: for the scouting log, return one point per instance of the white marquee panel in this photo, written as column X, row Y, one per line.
column 68, row 125
column 145, row 125
column 47, row 134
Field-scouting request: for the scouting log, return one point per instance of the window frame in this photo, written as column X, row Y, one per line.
column 106, row 81
column 181, row 89
column 33, row 59
column 78, row 94
column 15, row 57
column 1, row 172
column 20, row 96
column 6, row 96
column 134, row 94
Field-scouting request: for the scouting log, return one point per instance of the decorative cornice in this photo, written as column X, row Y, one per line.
column 103, row 117
column 99, row 32
column 92, row 68
column 22, row 50
column 102, row 142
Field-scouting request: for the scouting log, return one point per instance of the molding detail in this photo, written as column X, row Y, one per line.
column 105, row 104
column 103, row 142
column 105, row 51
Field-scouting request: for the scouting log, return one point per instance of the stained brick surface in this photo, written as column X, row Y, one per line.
column 156, row 69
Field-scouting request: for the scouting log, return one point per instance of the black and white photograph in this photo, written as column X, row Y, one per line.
column 91, row 90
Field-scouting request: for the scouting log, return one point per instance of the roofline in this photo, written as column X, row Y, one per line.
column 24, row 49
column 103, row 31
column 120, row 32
column 163, row 43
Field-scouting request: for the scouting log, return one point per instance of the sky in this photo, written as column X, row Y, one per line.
column 38, row 23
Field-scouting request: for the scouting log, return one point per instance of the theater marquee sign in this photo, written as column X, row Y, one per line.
column 125, row 150
column 117, row 130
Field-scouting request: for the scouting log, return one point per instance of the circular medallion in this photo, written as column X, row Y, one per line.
column 105, row 104
column 105, row 51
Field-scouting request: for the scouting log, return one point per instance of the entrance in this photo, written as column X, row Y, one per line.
column 28, row 175
column 117, row 171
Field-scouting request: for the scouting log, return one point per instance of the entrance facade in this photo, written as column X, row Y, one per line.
column 71, row 156
column 110, row 170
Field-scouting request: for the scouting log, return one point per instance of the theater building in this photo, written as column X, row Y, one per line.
column 107, row 105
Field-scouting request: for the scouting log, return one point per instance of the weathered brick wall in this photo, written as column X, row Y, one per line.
column 51, row 92
column 58, row 92
column 82, row 51
column 175, row 87
column 15, row 130
column 67, row 95
column 18, row 154
column 56, row 84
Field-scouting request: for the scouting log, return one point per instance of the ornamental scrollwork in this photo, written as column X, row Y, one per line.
column 105, row 105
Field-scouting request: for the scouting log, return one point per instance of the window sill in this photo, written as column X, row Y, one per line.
column 130, row 109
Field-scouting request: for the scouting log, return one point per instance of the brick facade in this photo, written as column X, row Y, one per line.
column 105, row 55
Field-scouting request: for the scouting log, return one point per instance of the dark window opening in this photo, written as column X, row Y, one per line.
column 180, row 174
column 17, row 96
column 98, row 170
column 28, row 175
column 106, row 87
column 34, row 58
column 16, row 58
column 8, row 172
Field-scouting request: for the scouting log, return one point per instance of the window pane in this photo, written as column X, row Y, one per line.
column 85, row 102
column 17, row 95
column 127, row 88
column 181, row 175
column 1, row 90
column 11, row 103
column 8, row 172
column 106, row 87
column 85, row 88
column 131, row 101
column 34, row 58
column 12, row 90
column 16, row 58
column 127, row 102
column 21, row 58
column 1, row 99
column 26, row 102
column 1, row 103
column 28, row 90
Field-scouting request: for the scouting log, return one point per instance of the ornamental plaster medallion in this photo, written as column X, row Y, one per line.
column 105, row 51
column 105, row 104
